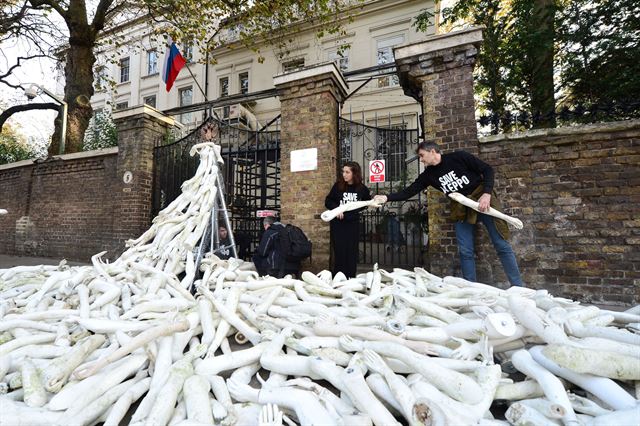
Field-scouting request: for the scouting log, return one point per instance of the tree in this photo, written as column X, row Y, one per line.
column 101, row 133
column 515, row 65
column 13, row 146
column 538, row 53
column 197, row 21
column 599, row 60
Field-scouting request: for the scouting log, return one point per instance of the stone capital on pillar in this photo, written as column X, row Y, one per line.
column 435, row 54
column 312, row 79
column 309, row 105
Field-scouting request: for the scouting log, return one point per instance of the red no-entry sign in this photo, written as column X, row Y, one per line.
column 376, row 171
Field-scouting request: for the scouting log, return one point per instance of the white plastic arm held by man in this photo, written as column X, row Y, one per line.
column 465, row 201
column 517, row 223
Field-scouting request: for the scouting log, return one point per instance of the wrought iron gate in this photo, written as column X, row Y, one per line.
column 251, row 173
column 395, row 235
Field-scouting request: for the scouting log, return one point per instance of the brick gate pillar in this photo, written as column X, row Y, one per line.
column 309, row 105
column 439, row 73
column 139, row 129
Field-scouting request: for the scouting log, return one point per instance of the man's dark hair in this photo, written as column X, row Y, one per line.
column 269, row 220
column 428, row 146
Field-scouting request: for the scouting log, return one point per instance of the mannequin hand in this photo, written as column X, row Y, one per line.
column 484, row 202
column 380, row 198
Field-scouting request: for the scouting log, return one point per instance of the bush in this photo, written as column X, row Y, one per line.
column 12, row 150
column 101, row 133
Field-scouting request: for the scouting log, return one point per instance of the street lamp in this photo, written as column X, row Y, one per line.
column 32, row 92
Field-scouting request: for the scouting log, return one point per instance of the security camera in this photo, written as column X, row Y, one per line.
column 31, row 92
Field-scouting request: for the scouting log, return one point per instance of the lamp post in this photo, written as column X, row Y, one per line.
column 32, row 92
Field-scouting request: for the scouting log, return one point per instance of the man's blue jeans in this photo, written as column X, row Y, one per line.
column 464, row 235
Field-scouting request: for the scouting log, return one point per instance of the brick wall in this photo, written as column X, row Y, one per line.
column 59, row 208
column 577, row 190
column 438, row 72
column 309, row 107
column 138, row 130
column 74, row 206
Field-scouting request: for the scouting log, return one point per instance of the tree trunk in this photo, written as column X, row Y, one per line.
column 542, row 94
column 491, row 59
column 78, row 90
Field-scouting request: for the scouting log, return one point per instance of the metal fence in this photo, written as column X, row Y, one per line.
column 510, row 121
column 395, row 235
column 251, row 173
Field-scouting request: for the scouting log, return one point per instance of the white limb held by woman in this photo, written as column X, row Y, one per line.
column 329, row 215
column 3, row 211
column 465, row 201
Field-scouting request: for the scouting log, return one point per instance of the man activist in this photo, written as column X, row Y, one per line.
column 466, row 174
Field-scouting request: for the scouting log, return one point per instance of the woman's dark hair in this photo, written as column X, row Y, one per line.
column 357, row 175
column 428, row 146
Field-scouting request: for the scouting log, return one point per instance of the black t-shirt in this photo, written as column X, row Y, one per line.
column 224, row 253
column 458, row 171
column 337, row 198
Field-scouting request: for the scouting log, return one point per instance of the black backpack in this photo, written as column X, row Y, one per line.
column 294, row 244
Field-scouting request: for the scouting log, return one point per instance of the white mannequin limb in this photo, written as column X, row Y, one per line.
column 328, row 215
column 3, row 211
column 465, row 201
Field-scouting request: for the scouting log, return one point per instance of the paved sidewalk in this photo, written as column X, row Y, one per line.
column 7, row 261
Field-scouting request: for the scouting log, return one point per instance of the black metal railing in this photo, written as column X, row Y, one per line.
column 251, row 172
column 509, row 121
column 394, row 235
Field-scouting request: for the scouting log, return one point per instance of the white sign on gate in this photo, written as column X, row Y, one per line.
column 376, row 171
column 266, row 213
column 304, row 159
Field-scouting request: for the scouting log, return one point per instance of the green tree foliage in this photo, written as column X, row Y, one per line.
column 600, row 56
column 78, row 27
column 101, row 133
column 515, row 65
column 13, row 146
column 539, row 53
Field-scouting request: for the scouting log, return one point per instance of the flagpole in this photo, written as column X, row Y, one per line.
column 197, row 84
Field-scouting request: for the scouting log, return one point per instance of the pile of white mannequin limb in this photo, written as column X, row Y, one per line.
column 101, row 343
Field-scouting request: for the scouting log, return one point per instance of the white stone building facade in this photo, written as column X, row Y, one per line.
column 377, row 27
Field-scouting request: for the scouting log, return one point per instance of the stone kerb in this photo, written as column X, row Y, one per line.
column 138, row 130
column 309, row 106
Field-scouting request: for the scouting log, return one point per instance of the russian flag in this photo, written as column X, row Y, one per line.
column 173, row 63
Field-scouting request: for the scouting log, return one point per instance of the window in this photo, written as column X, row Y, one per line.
column 101, row 79
column 243, row 80
column 340, row 58
column 392, row 146
column 385, row 56
column 149, row 100
column 152, row 62
column 293, row 65
column 224, row 87
column 187, row 51
column 186, row 98
column 124, row 70
column 98, row 111
column 122, row 105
